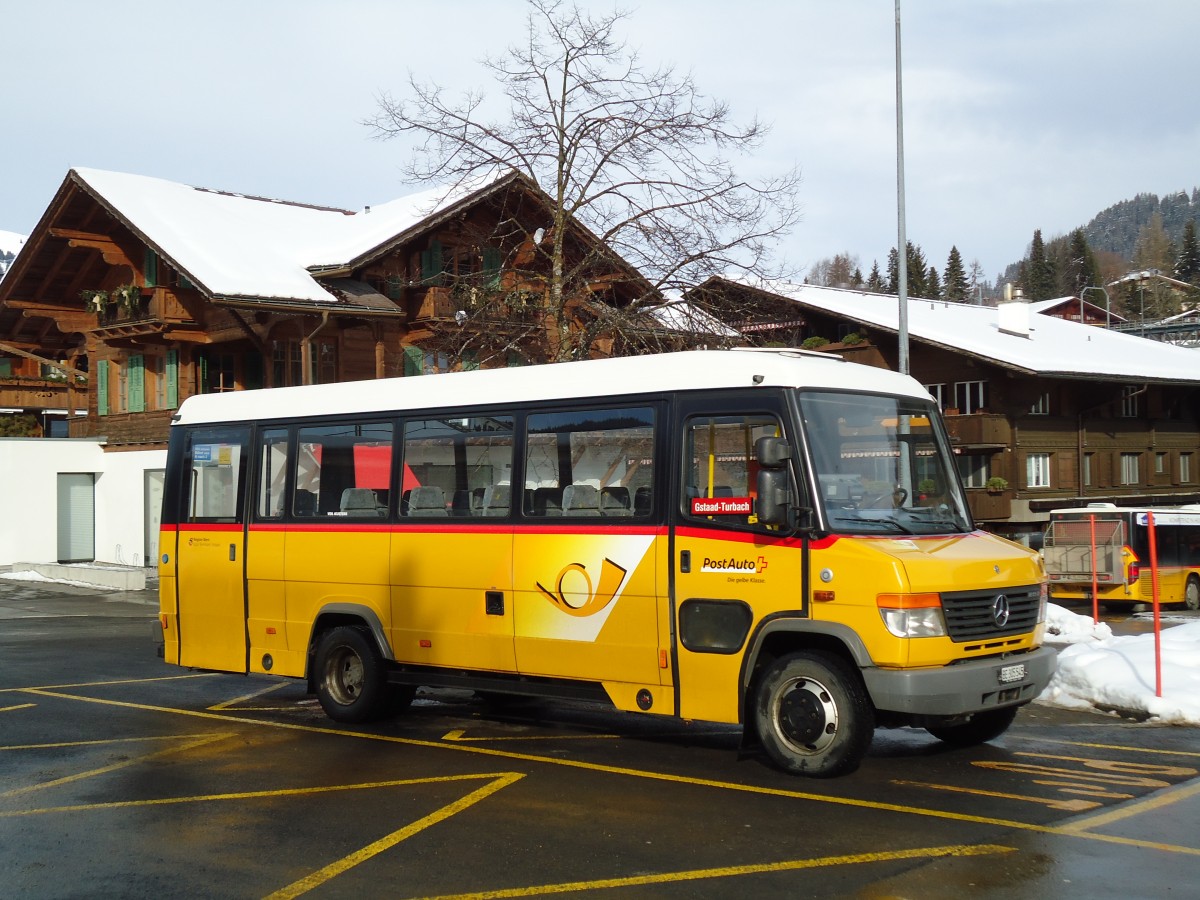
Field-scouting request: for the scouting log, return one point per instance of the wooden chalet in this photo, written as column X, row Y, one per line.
column 133, row 293
column 1044, row 412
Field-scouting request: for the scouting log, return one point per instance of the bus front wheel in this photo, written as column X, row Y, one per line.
column 351, row 681
column 812, row 715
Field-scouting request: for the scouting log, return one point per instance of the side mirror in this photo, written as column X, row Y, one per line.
column 772, row 452
column 774, row 499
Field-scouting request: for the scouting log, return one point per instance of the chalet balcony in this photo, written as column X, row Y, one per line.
column 42, row 393
column 124, row 429
column 449, row 304
column 988, row 506
column 978, row 430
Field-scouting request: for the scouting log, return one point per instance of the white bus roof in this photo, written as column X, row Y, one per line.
column 605, row 378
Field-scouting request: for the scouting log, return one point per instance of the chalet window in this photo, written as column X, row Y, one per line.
column 970, row 396
column 325, row 362
column 435, row 362
column 433, row 264
column 5, row 368
column 1161, row 463
column 939, row 394
column 1087, row 469
column 1185, row 468
column 172, row 380
column 973, row 470
column 217, row 373
column 287, row 368
column 1131, row 468
column 1037, row 470
column 1129, row 401
column 1041, row 406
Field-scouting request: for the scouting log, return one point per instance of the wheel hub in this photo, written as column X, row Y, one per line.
column 807, row 716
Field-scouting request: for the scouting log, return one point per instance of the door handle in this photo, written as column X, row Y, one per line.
column 685, row 561
column 493, row 603
column 233, row 552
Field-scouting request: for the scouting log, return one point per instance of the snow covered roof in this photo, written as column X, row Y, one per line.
column 235, row 245
column 1045, row 346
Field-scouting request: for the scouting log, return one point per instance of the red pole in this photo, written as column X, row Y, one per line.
column 1095, row 580
column 1154, row 595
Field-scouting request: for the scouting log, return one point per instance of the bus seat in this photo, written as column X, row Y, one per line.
column 496, row 499
column 581, row 500
column 305, row 503
column 614, row 501
column 427, row 500
column 547, row 501
column 360, row 502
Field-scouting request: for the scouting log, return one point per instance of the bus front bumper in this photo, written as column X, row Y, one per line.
column 962, row 689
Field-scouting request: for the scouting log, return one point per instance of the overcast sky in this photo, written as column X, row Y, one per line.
column 1018, row 114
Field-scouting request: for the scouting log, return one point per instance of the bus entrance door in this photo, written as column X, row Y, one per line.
column 210, row 552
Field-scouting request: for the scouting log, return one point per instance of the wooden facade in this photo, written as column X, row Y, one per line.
column 1051, row 441
column 101, row 325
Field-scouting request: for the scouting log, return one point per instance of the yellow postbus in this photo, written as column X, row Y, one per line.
column 1114, row 541
column 771, row 538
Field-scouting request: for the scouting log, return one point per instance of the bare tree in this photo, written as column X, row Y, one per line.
column 634, row 160
column 835, row 271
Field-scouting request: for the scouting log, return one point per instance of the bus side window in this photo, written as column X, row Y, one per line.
column 457, row 466
column 272, row 474
column 343, row 470
column 593, row 463
column 217, row 483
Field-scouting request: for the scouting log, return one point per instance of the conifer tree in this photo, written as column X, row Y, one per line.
column 954, row 280
column 1079, row 266
column 875, row 283
column 1038, row 276
column 1187, row 263
column 933, row 284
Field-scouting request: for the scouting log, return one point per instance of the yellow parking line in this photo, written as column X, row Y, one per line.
column 18, row 706
column 460, row 735
column 124, row 740
column 635, row 773
column 244, row 795
column 319, row 877
column 1136, row 808
column 251, row 696
column 733, row 871
column 84, row 684
column 186, row 745
column 1120, row 747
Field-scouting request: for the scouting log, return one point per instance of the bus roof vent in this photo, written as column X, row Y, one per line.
column 1102, row 506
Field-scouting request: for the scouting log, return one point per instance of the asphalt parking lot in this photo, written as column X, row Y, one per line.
column 123, row 777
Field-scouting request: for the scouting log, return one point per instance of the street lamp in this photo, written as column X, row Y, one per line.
column 1107, row 304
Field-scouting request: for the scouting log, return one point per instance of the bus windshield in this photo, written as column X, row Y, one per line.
column 882, row 466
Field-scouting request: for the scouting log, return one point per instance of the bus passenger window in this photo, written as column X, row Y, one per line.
column 457, row 466
column 720, row 478
column 273, row 466
column 217, row 460
column 343, row 470
column 590, row 463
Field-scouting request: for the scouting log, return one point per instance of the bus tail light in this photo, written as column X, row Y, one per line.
column 1135, row 572
column 912, row 615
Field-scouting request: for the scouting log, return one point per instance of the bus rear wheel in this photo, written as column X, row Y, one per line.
column 812, row 715
column 351, row 680
column 979, row 729
column 1191, row 594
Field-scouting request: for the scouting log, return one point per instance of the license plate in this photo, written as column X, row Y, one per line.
column 1009, row 674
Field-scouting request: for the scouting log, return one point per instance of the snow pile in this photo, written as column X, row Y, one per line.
column 1098, row 670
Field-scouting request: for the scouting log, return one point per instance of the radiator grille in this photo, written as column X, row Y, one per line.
column 971, row 615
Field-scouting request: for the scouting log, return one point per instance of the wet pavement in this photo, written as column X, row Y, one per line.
column 121, row 776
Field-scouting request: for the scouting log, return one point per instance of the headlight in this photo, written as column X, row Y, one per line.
column 912, row 615
column 1043, row 599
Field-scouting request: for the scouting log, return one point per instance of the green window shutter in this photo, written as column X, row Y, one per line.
column 185, row 282
column 172, row 379
column 102, row 387
column 432, row 263
column 470, row 362
column 414, row 361
column 514, row 360
column 395, row 288
column 135, row 383
column 491, row 267
column 150, row 268
column 202, row 365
